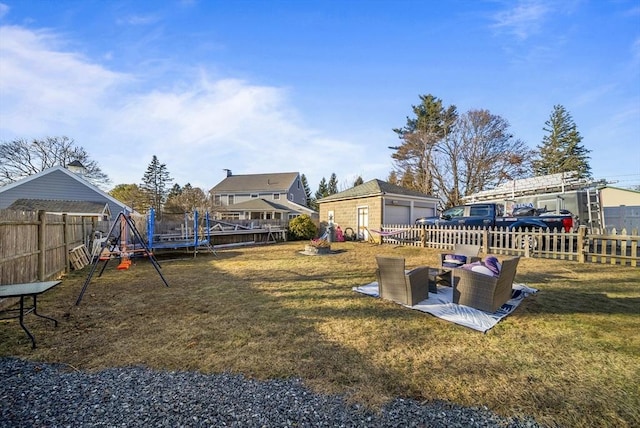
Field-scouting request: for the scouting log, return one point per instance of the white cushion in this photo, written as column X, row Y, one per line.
column 483, row 270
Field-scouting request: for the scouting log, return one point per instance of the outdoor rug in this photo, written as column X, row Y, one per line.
column 441, row 306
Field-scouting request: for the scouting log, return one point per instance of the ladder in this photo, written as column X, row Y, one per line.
column 596, row 220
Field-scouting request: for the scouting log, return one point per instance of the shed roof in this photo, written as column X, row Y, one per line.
column 60, row 169
column 70, row 207
column 375, row 187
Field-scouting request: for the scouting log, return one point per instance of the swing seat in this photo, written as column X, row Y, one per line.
column 124, row 265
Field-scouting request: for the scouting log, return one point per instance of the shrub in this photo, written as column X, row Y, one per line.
column 302, row 228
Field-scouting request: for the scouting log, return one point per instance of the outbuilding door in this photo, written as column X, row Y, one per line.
column 396, row 214
column 363, row 223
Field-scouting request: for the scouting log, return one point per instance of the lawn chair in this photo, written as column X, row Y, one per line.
column 402, row 286
column 484, row 292
column 464, row 253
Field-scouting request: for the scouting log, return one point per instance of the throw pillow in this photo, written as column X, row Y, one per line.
column 483, row 270
column 493, row 264
column 454, row 260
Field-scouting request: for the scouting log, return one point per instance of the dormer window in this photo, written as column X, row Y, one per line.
column 276, row 196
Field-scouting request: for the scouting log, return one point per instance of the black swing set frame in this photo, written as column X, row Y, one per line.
column 119, row 241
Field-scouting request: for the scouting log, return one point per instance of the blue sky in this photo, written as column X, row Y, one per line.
column 308, row 85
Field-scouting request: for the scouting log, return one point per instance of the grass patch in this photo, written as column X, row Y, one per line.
column 567, row 356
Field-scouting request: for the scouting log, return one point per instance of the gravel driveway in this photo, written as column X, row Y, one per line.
column 45, row 395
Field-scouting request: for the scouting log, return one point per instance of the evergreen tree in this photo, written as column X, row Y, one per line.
column 187, row 199
column 307, row 190
column 323, row 190
column 176, row 190
column 415, row 157
column 155, row 182
column 332, row 187
column 561, row 149
column 358, row 181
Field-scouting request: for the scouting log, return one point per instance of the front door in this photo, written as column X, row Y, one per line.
column 363, row 223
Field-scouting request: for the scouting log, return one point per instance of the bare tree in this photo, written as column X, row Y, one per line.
column 479, row 155
column 21, row 158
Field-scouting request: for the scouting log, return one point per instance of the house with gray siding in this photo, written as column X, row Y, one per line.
column 59, row 184
column 275, row 196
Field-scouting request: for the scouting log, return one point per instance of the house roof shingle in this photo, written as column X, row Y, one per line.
column 256, row 183
column 76, row 207
column 374, row 187
column 257, row 204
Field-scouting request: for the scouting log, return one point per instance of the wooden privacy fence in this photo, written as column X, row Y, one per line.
column 616, row 248
column 35, row 246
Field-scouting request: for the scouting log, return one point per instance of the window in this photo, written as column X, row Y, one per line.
column 230, row 216
column 254, row 195
column 479, row 211
column 216, row 200
column 291, row 196
column 276, row 196
column 230, row 200
column 454, row 212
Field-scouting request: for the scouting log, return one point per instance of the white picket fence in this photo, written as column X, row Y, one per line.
column 621, row 248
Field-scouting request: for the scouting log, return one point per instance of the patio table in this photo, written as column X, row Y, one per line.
column 437, row 275
column 32, row 289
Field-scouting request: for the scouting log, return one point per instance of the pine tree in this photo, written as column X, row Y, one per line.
column 393, row 178
column 358, row 181
column 561, row 150
column 323, row 190
column 415, row 157
column 332, row 187
column 155, row 184
column 307, row 190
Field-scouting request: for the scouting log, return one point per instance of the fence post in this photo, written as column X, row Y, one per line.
column 65, row 238
column 486, row 245
column 42, row 225
column 583, row 243
column 423, row 237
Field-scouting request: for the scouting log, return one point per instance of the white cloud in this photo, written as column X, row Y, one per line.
column 42, row 88
column 635, row 50
column 522, row 18
column 138, row 20
column 4, row 10
column 197, row 129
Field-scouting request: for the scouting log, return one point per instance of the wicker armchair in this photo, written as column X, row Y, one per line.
column 484, row 292
column 471, row 251
column 399, row 285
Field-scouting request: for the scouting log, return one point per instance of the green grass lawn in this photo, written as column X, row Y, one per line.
column 569, row 355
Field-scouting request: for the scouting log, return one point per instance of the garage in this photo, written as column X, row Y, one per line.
column 397, row 214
